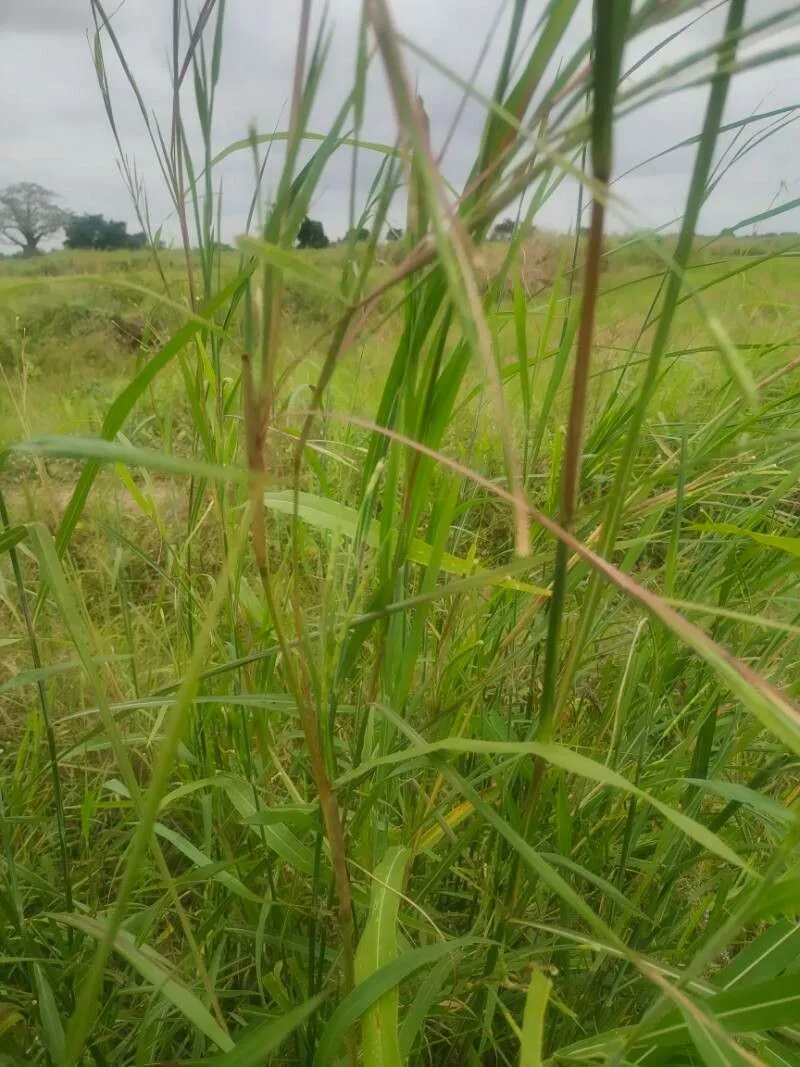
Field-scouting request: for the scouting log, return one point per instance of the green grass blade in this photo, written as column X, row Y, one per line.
column 326, row 514
column 255, row 1047
column 292, row 263
column 567, row 760
column 10, row 537
column 156, row 971
column 123, row 405
column 752, row 1009
column 377, row 947
column 714, row 1050
column 378, row 985
column 200, row 859
column 764, row 958
column 790, row 545
column 52, row 1027
column 532, row 1039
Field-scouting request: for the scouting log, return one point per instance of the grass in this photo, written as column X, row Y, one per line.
column 400, row 642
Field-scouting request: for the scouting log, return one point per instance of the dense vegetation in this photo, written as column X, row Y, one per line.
column 400, row 638
column 101, row 234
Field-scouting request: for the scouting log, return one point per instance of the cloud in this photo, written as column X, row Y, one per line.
column 50, row 16
column 54, row 129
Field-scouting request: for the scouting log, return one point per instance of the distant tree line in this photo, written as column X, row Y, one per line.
column 29, row 214
column 101, row 234
column 312, row 235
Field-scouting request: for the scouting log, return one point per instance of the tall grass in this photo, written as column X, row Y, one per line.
column 456, row 729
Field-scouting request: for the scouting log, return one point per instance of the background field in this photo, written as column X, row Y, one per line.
column 86, row 326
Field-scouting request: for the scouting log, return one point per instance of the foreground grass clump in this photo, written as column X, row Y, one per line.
column 399, row 642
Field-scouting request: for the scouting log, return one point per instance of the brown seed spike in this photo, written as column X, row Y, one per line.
column 417, row 223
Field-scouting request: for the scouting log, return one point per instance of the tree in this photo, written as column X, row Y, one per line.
column 27, row 214
column 95, row 231
column 504, row 230
column 116, row 234
column 81, row 231
column 360, row 234
column 312, row 234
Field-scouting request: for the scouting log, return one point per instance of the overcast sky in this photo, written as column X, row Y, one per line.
column 54, row 131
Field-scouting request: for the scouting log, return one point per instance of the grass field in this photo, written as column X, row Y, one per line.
column 398, row 666
column 90, row 334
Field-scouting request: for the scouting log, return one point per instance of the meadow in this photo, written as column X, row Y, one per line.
column 399, row 646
